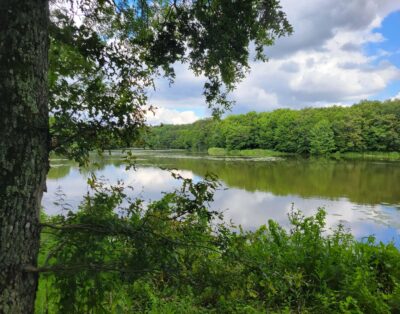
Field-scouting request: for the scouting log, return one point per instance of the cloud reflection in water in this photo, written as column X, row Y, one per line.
column 247, row 208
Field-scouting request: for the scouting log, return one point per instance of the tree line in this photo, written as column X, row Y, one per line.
column 366, row 126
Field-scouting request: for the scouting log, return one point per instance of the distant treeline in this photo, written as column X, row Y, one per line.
column 367, row 126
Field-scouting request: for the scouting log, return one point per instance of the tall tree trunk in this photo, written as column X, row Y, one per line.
column 23, row 146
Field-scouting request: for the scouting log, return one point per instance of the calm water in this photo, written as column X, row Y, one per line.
column 363, row 195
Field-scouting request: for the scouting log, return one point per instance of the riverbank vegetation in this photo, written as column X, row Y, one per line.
column 370, row 126
column 257, row 152
column 217, row 151
column 371, row 155
column 177, row 256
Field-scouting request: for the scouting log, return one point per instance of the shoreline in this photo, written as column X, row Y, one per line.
column 223, row 152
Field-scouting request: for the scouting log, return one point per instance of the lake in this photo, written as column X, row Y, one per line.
column 363, row 195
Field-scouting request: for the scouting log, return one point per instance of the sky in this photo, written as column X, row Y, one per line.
column 341, row 52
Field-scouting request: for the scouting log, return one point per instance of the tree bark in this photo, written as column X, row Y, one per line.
column 23, row 147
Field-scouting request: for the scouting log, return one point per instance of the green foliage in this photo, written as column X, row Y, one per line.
column 105, row 55
column 322, row 139
column 237, row 136
column 365, row 127
column 372, row 155
column 216, row 151
column 116, row 255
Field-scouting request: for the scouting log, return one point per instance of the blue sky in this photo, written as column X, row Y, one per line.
column 389, row 29
column 390, row 49
column 341, row 52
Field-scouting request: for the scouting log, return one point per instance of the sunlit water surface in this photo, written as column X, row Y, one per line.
column 362, row 195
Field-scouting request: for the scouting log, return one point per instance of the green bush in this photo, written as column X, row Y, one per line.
column 117, row 255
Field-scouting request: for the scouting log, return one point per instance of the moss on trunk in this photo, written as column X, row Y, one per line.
column 23, row 146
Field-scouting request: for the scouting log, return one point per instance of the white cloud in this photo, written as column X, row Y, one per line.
column 186, row 91
column 397, row 97
column 254, row 97
column 317, row 21
column 170, row 116
column 323, row 62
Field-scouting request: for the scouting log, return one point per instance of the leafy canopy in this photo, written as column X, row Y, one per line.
column 106, row 54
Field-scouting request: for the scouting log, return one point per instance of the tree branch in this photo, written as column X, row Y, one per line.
column 101, row 229
column 83, row 267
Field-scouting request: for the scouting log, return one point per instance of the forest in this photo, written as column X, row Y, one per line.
column 367, row 126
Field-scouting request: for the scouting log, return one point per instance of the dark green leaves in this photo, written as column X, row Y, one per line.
column 173, row 255
column 105, row 55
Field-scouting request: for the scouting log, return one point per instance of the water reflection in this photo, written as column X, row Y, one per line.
column 364, row 195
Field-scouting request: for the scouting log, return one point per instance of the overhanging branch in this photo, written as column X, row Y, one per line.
column 84, row 267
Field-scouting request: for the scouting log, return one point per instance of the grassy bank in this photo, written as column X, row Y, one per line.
column 370, row 155
column 216, row 151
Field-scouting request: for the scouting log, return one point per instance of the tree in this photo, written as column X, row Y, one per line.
column 358, row 128
column 348, row 132
column 286, row 135
column 238, row 136
column 23, row 147
column 104, row 55
column 322, row 140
